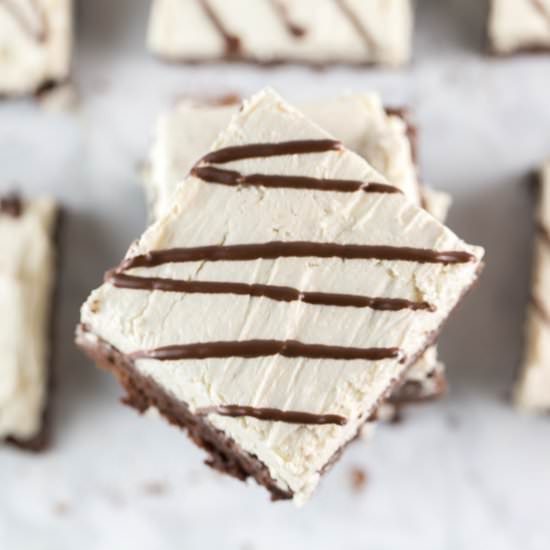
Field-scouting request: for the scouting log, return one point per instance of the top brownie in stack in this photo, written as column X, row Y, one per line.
column 385, row 138
column 283, row 296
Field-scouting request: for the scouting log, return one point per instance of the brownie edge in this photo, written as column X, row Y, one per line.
column 142, row 393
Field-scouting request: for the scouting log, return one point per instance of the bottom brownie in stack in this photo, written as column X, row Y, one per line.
column 281, row 298
column 27, row 282
column 384, row 137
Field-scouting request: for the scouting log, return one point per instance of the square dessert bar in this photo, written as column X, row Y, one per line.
column 519, row 26
column 533, row 388
column 279, row 301
column 27, row 283
column 35, row 44
column 316, row 32
column 385, row 138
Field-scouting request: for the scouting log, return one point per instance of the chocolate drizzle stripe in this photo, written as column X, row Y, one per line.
column 542, row 9
column 357, row 24
column 277, row 293
column 232, row 42
column 39, row 35
column 297, row 31
column 298, row 249
column 273, row 415
column 543, row 232
column 250, row 349
column 11, row 205
column 210, row 174
column 264, row 150
column 540, row 309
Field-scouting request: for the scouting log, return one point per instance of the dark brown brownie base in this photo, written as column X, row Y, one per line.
column 279, row 62
column 41, row 441
column 141, row 393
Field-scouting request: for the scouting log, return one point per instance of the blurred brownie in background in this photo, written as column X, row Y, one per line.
column 519, row 26
column 28, row 231
column 533, row 388
column 314, row 32
column 35, row 45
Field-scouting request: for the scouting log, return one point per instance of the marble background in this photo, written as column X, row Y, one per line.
column 464, row 473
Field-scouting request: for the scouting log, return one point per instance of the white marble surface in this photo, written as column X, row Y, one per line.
column 465, row 473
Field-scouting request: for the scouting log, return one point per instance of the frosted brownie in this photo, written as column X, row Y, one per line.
column 316, row 32
column 27, row 275
column 519, row 25
column 35, row 44
column 384, row 138
column 533, row 389
column 283, row 296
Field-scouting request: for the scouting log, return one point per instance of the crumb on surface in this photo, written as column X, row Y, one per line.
column 359, row 479
column 155, row 488
column 61, row 508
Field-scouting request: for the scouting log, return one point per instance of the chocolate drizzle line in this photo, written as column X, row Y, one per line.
column 250, row 349
column 277, row 293
column 282, row 11
column 541, row 310
column 40, row 35
column 543, row 233
column 273, row 415
column 357, row 24
column 232, row 42
column 11, row 205
column 210, row 174
column 542, row 9
column 297, row 249
column 264, row 150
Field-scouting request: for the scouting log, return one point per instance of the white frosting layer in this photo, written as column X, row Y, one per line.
column 26, row 285
column 181, row 30
column 207, row 214
column 533, row 390
column 35, row 44
column 519, row 24
column 359, row 121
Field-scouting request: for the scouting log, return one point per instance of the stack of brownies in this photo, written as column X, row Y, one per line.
column 291, row 287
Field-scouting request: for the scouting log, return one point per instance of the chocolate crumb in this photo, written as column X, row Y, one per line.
column 155, row 488
column 359, row 479
column 61, row 508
